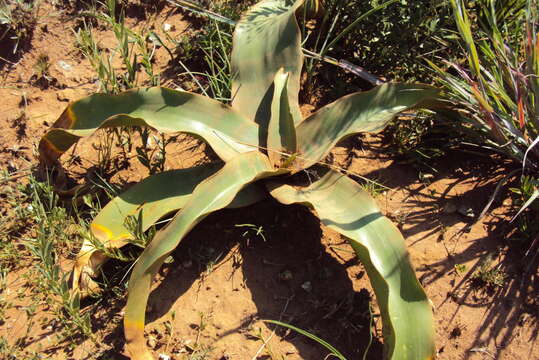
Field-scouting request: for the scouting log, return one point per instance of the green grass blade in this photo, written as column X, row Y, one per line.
column 266, row 39
column 359, row 112
column 281, row 130
column 213, row 194
column 532, row 56
column 163, row 109
column 324, row 343
column 528, row 202
column 342, row 205
column 465, row 30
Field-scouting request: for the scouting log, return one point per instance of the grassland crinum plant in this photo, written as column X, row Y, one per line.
column 266, row 146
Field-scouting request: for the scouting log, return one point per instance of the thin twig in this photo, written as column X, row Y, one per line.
column 483, row 350
column 7, row 61
column 188, row 5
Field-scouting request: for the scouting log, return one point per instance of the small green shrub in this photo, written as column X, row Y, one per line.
column 497, row 90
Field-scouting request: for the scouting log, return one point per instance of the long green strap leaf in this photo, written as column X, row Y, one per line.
column 343, row 206
column 165, row 110
column 215, row 193
column 147, row 201
column 360, row 112
column 153, row 197
column 266, row 39
column 281, row 130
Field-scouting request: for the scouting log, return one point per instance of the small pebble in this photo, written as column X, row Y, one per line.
column 168, row 27
column 426, row 177
column 65, row 66
column 11, row 167
column 307, row 286
column 466, row 211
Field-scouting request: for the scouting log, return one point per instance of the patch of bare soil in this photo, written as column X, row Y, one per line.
column 210, row 300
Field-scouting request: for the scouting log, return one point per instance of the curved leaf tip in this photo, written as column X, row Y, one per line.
column 368, row 111
column 165, row 110
column 266, row 38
